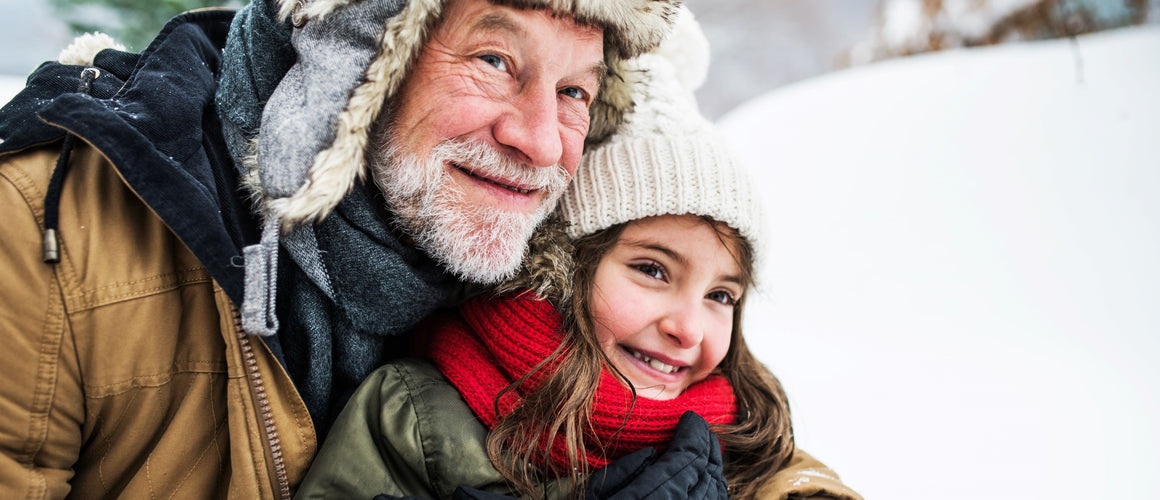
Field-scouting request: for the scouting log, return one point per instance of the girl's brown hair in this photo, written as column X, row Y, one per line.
column 756, row 446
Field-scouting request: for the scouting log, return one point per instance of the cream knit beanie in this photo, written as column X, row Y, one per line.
column 665, row 158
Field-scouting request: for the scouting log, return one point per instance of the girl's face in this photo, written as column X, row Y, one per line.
column 662, row 303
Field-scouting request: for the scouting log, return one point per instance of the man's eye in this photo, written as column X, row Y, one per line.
column 575, row 93
column 495, row 61
column 651, row 270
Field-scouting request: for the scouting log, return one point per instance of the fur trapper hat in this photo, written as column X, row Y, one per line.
column 352, row 55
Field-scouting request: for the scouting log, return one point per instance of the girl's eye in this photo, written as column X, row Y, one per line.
column 495, row 61
column 651, row 270
column 722, row 297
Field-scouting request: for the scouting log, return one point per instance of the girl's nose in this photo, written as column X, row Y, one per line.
column 683, row 326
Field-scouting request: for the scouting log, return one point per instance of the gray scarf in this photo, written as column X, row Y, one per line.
column 350, row 287
column 346, row 301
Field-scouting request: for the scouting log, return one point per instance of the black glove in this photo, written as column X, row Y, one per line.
column 460, row 493
column 469, row 493
column 689, row 468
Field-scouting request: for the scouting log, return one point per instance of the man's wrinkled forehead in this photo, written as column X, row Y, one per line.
column 502, row 22
column 555, row 14
column 499, row 19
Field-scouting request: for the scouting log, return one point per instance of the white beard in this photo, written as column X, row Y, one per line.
column 480, row 244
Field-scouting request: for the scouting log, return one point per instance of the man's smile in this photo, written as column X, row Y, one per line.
column 505, row 184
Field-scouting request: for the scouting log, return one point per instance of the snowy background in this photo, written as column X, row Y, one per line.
column 963, row 291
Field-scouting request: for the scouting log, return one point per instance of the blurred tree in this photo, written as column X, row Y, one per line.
column 908, row 27
column 134, row 23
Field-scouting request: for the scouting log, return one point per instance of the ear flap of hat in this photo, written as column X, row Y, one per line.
column 316, row 126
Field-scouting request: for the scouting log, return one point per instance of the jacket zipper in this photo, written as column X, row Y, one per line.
column 271, row 432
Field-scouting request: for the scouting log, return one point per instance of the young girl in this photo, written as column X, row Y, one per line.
column 598, row 348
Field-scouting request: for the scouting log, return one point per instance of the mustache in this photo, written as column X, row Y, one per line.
column 483, row 160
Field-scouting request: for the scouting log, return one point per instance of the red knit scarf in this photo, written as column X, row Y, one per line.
column 500, row 340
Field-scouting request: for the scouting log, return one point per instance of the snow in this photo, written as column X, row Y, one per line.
column 962, row 297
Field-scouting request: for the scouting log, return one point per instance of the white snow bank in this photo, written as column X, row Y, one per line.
column 963, row 291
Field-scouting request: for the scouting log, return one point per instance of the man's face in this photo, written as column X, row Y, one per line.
column 486, row 131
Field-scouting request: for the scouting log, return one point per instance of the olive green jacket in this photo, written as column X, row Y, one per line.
column 408, row 432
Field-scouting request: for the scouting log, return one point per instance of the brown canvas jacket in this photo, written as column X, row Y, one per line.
column 125, row 372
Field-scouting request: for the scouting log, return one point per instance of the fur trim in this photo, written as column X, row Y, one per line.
column 84, row 48
column 614, row 101
column 310, row 9
column 632, row 27
column 548, row 265
column 337, row 168
column 250, row 181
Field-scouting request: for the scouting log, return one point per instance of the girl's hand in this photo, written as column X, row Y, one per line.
column 689, row 468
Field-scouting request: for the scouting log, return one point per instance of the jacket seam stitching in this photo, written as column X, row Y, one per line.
column 142, row 280
column 419, row 407
column 85, row 299
column 65, row 265
column 45, row 391
column 176, row 487
column 108, row 441
column 27, row 187
column 34, row 199
column 50, row 340
column 153, row 381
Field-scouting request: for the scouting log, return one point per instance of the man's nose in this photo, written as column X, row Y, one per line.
column 531, row 127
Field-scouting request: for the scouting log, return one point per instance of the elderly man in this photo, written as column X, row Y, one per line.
column 196, row 273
